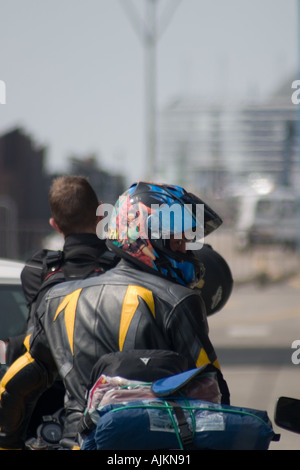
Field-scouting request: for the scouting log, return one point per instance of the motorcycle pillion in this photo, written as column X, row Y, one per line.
column 150, row 400
column 134, row 399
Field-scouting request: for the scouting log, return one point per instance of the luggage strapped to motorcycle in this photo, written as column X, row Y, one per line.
column 241, row 428
column 184, row 422
column 146, row 365
column 183, row 432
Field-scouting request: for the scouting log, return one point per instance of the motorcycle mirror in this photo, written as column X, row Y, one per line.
column 287, row 414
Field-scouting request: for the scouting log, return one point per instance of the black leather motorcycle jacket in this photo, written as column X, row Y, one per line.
column 83, row 255
column 123, row 309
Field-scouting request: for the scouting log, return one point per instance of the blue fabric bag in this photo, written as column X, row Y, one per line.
column 154, row 424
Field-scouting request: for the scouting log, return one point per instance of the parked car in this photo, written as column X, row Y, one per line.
column 13, row 308
column 269, row 218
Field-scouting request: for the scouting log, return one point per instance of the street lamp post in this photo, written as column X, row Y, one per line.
column 150, row 89
column 149, row 32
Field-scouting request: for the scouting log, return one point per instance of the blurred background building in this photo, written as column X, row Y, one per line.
column 24, row 188
column 216, row 147
column 219, row 149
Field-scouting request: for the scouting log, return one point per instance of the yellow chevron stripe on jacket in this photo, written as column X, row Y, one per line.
column 130, row 304
column 69, row 305
column 19, row 364
column 203, row 359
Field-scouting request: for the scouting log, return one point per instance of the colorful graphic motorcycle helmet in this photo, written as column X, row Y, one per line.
column 144, row 219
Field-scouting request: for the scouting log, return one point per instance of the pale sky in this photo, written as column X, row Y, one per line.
column 75, row 77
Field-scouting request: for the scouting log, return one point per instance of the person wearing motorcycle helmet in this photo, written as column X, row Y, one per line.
column 151, row 221
column 156, row 239
column 144, row 303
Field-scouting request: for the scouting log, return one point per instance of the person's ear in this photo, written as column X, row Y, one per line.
column 54, row 225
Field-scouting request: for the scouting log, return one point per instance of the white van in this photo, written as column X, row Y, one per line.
column 13, row 306
column 269, row 218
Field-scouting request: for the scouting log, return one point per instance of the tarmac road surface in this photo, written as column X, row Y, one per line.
column 253, row 337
